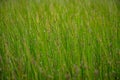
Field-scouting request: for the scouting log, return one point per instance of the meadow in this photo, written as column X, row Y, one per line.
column 59, row 40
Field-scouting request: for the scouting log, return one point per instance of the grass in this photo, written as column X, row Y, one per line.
column 59, row 40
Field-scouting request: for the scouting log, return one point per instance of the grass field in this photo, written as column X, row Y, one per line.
column 59, row 40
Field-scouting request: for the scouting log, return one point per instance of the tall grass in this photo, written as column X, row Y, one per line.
column 59, row 40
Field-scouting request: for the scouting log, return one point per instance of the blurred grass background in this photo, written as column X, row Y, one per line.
column 59, row 39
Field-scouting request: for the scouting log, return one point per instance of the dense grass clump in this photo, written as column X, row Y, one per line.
column 59, row 40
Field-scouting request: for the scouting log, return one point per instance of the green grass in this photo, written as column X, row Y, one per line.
column 59, row 40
